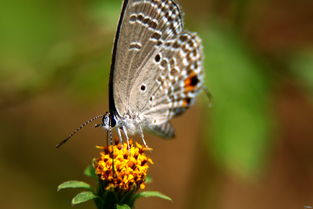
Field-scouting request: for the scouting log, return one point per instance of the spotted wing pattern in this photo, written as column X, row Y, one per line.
column 145, row 26
column 158, row 66
column 179, row 81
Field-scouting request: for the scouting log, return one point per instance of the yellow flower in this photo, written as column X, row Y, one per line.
column 123, row 167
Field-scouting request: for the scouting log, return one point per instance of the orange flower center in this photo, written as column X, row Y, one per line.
column 123, row 167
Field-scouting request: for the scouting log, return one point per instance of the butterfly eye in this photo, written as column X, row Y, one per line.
column 113, row 121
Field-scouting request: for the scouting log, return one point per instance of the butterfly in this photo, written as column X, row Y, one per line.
column 156, row 70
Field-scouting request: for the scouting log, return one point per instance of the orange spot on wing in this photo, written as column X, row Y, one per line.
column 186, row 102
column 191, row 82
column 189, row 88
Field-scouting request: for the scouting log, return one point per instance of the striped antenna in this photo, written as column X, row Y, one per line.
column 77, row 130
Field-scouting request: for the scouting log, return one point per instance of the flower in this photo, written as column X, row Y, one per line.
column 121, row 170
column 123, row 167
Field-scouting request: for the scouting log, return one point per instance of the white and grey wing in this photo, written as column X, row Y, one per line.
column 145, row 26
column 172, row 90
column 165, row 130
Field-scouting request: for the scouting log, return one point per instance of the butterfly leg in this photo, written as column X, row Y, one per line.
column 119, row 135
column 127, row 139
column 142, row 136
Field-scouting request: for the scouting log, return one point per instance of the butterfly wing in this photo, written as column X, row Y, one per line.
column 144, row 26
column 179, row 81
column 164, row 130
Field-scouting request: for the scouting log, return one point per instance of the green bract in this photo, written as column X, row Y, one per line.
column 107, row 199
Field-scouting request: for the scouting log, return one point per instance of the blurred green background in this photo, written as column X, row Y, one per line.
column 252, row 149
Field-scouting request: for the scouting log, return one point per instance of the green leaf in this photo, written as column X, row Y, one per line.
column 90, row 171
column 148, row 180
column 73, row 184
column 240, row 121
column 123, row 206
column 83, row 197
column 152, row 194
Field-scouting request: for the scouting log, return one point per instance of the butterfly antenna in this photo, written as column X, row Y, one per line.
column 77, row 130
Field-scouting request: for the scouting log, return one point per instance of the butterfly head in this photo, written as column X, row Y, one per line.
column 108, row 121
